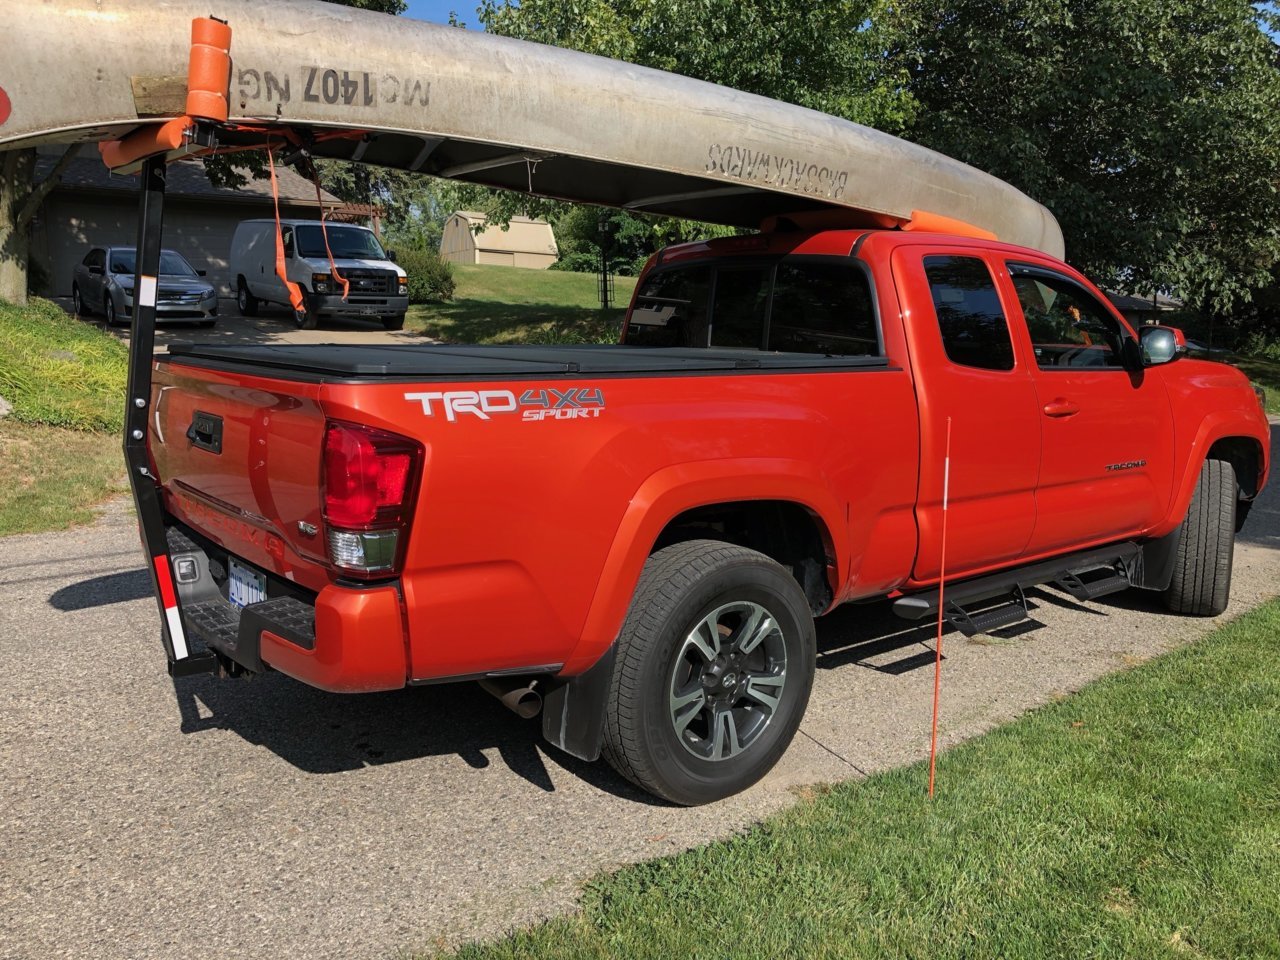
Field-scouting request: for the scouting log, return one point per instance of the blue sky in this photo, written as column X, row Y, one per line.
column 437, row 11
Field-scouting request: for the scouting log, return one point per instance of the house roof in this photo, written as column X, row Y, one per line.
column 186, row 178
column 1139, row 304
column 522, row 235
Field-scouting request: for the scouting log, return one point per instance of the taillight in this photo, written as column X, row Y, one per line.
column 370, row 477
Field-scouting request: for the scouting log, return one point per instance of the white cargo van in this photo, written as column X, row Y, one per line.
column 378, row 288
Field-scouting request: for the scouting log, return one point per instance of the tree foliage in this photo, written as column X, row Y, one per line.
column 1151, row 128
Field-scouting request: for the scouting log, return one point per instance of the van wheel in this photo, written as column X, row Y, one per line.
column 715, row 664
column 393, row 322
column 306, row 319
column 246, row 302
column 1201, row 582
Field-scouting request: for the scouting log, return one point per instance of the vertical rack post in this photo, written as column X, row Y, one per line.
column 146, row 496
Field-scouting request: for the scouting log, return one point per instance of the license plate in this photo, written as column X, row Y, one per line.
column 244, row 584
column 368, row 311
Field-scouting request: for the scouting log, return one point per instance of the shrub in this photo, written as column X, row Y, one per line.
column 430, row 278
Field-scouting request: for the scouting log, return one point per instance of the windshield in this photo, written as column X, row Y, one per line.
column 171, row 264
column 352, row 243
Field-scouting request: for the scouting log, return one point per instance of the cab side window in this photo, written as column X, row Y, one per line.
column 974, row 330
column 1069, row 328
column 286, row 234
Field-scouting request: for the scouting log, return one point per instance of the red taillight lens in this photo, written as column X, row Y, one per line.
column 367, row 475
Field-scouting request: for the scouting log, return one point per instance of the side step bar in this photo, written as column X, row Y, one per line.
column 1086, row 575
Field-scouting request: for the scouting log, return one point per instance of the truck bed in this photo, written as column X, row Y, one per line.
column 347, row 362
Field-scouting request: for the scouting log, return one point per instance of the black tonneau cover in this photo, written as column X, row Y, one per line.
column 339, row 361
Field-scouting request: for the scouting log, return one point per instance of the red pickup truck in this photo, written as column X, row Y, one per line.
column 638, row 537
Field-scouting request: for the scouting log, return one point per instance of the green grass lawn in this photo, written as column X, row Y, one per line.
column 60, row 448
column 60, row 371
column 1266, row 374
column 1139, row 818
column 516, row 305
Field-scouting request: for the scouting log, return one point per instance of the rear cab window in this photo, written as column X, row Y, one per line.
column 817, row 305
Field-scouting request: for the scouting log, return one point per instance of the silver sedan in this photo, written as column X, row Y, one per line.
column 103, row 283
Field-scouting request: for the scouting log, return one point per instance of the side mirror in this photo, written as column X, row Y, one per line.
column 96, row 271
column 391, row 255
column 1161, row 345
column 202, row 273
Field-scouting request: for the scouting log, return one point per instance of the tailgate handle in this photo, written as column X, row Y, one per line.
column 205, row 431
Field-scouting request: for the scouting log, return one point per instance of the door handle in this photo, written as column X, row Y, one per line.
column 1060, row 407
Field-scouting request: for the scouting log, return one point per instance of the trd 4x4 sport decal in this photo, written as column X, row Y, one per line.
column 575, row 403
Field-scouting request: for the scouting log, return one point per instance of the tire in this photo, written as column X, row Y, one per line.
column 393, row 322
column 246, row 302
column 77, row 302
column 306, row 319
column 658, row 733
column 109, row 310
column 1201, row 583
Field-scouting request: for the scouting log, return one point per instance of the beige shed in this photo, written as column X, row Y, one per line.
column 524, row 243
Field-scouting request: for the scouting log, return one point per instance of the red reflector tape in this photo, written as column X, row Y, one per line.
column 5, row 106
column 163, row 577
column 169, row 599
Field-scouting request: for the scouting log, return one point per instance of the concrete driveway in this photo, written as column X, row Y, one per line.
column 145, row 818
column 272, row 325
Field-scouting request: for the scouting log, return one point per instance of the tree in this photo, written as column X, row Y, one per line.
column 1151, row 128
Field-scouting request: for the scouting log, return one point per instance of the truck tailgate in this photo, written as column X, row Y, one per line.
column 239, row 459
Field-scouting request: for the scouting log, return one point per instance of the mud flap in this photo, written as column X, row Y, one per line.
column 573, row 710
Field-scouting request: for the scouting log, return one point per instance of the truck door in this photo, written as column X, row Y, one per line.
column 1107, row 463
column 966, row 367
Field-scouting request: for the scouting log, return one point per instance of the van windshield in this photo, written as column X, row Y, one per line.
column 345, row 242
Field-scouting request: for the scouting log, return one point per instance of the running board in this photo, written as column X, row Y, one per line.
column 1005, row 614
column 1066, row 572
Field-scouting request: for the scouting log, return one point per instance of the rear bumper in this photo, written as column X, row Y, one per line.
column 349, row 641
column 332, row 305
column 345, row 639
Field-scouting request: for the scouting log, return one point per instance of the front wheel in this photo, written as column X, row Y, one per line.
column 246, row 302
column 715, row 664
column 393, row 322
column 1201, row 582
column 109, row 310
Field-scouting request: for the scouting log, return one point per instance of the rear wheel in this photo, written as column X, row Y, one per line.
column 1201, row 582
column 246, row 301
column 393, row 322
column 715, row 664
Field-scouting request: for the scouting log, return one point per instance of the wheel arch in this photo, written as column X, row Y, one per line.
column 1221, row 436
column 716, row 497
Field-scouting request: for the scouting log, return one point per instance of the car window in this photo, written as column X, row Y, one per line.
column 345, row 242
column 1068, row 326
column 805, row 305
column 171, row 264
column 95, row 257
column 741, row 299
column 671, row 309
column 822, row 308
column 975, row 332
column 286, row 238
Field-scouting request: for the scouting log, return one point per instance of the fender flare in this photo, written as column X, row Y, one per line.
column 1214, row 427
column 673, row 490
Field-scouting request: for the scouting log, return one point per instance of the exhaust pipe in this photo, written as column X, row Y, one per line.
column 516, row 694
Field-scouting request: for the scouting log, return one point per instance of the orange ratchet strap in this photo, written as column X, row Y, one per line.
column 295, row 292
